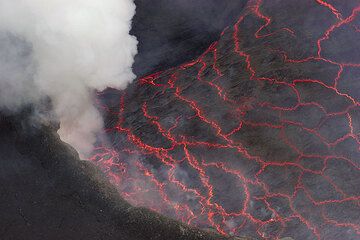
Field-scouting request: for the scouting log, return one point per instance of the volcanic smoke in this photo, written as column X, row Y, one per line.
column 65, row 50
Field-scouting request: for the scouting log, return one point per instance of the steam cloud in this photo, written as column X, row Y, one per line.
column 65, row 49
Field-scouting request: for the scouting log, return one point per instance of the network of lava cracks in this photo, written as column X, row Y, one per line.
column 198, row 205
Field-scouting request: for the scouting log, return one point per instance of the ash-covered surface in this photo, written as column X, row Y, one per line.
column 259, row 136
column 47, row 192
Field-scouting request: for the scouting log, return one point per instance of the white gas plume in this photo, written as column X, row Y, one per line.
column 65, row 50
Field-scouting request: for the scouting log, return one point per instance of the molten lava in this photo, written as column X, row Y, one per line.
column 263, row 141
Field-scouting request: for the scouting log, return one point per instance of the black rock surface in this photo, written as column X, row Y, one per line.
column 171, row 32
column 47, row 192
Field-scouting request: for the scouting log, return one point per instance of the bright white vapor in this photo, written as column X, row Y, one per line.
column 65, row 49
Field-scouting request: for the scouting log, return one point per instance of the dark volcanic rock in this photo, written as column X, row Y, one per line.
column 48, row 193
column 171, row 32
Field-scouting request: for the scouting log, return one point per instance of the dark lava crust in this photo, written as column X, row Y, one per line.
column 257, row 137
